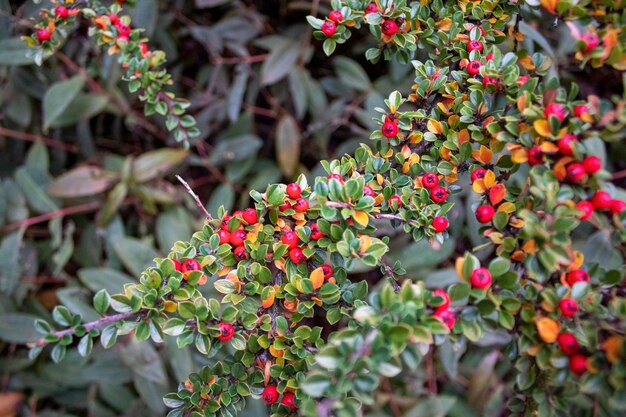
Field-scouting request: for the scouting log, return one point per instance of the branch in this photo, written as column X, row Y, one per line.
column 195, row 197
column 88, row 326
column 28, row 137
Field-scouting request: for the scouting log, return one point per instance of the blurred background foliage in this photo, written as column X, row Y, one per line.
column 88, row 196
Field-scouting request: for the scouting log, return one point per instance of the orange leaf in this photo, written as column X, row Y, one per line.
column 612, row 346
column 464, row 136
column 549, row 148
column 550, row 5
column 479, row 186
column 276, row 352
column 542, row 127
column 269, row 301
column 483, row 154
column 497, row 193
column 458, row 266
column 434, row 126
column 366, row 242
column 490, row 179
column 548, row 329
column 317, row 277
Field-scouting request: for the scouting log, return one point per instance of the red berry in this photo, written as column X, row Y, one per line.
column 335, row 176
column 224, row 236
column 568, row 343
column 578, row 364
column 440, row 224
column 617, row 206
column 565, row 144
column 430, row 180
column 290, row 239
column 489, row 57
column 389, row 129
column 535, row 155
column 575, row 172
column 250, row 216
column 478, row 173
column 601, row 200
column 294, row 190
column 555, row 109
column 62, row 12
column 301, row 205
column 439, row 194
column 328, row 271
column 177, row 266
column 315, row 232
column 368, row 191
column 329, row 29
column 240, row 253
column 482, row 30
column 237, row 213
column 580, row 110
column 225, row 219
column 227, row 331
column 568, row 307
column 124, row 30
column 484, row 214
column 237, row 237
column 288, row 400
column 396, row 199
column 480, row 278
column 521, row 80
column 591, row 41
column 336, row 16
column 474, row 46
column 123, row 38
column 592, row 164
column 190, row 265
column 587, row 209
column 297, row 256
column 44, row 35
column 143, row 48
column 114, row 19
column 389, row 27
column 488, row 80
column 445, row 316
column 577, row 275
column 446, row 298
column 270, row 395
column 473, row 68
column 371, row 8
column 285, row 206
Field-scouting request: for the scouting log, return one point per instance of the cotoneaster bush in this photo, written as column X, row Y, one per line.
column 484, row 114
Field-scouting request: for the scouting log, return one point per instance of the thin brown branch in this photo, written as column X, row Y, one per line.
column 195, row 197
column 430, row 371
column 219, row 60
column 89, row 326
column 28, row 137
column 81, row 208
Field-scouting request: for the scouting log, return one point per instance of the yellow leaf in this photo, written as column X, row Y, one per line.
column 434, row 126
column 170, row 306
column 317, row 277
column 490, row 179
column 361, row 218
column 276, row 352
column 548, row 329
column 542, row 127
column 458, row 266
column 479, row 186
column 365, row 243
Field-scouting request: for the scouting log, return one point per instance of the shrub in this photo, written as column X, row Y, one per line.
column 482, row 111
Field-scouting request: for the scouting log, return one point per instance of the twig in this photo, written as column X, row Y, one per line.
column 430, row 369
column 28, row 137
column 218, row 60
column 81, row 208
column 195, row 197
column 89, row 326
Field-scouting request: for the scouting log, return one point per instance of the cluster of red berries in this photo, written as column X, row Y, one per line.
column 270, row 396
column 329, row 27
column 569, row 345
column 430, row 181
column 600, row 201
column 294, row 192
column 236, row 238
column 442, row 310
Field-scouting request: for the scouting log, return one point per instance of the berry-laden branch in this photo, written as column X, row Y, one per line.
column 479, row 116
column 113, row 31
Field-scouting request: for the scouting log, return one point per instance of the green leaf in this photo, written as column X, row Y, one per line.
column 14, row 52
column 223, row 195
column 18, row 328
column 288, row 139
column 280, row 61
column 101, row 301
column 103, row 278
column 155, row 164
column 10, row 265
column 58, row 98
column 315, row 384
column 81, row 182
column 352, row 74
column 134, row 254
column 83, row 107
column 37, row 198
